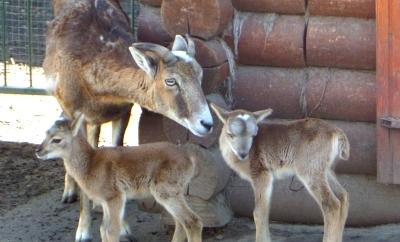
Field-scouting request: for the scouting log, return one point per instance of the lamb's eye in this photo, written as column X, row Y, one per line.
column 231, row 135
column 56, row 141
column 170, row 82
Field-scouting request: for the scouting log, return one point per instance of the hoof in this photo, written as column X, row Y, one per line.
column 129, row 238
column 84, row 240
column 97, row 209
column 70, row 198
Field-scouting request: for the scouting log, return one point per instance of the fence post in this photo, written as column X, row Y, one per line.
column 4, row 41
column 29, row 11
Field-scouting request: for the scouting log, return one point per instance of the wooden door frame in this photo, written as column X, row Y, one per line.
column 388, row 90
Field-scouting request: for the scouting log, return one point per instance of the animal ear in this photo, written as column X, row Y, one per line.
column 77, row 123
column 262, row 114
column 179, row 44
column 191, row 49
column 143, row 61
column 221, row 113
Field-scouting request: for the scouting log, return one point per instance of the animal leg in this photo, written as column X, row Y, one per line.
column 111, row 225
column 176, row 205
column 262, row 187
column 83, row 231
column 119, row 127
column 343, row 197
column 318, row 186
column 70, row 194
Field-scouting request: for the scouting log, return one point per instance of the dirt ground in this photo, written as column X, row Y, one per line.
column 30, row 191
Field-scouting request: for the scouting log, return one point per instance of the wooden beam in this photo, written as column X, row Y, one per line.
column 388, row 89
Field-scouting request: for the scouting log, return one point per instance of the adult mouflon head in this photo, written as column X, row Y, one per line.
column 175, row 83
column 240, row 128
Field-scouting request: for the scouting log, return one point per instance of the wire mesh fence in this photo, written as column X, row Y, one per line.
column 23, row 26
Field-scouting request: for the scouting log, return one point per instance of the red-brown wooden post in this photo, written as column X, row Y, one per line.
column 388, row 90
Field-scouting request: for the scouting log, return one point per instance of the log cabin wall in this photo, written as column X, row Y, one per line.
column 303, row 58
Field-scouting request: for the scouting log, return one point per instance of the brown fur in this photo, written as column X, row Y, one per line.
column 305, row 148
column 88, row 59
column 91, row 70
column 109, row 176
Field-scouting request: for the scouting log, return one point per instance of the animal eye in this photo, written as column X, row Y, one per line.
column 231, row 135
column 170, row 82
column 56, row 141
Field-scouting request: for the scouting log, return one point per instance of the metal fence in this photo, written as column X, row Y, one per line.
column 22, row 43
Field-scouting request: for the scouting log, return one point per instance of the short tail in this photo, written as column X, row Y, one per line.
column 343, row 146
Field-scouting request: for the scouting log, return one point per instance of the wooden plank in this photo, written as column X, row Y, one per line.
column 394, row 38
column 384, row 165
column 388, row 89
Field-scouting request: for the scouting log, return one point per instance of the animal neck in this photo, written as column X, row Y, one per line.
column 127, row 85
column 79, row 161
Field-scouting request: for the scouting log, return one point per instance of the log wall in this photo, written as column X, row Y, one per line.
column 303, row 59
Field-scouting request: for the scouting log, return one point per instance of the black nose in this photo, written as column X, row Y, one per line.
column 206, row 125
column 242, row 155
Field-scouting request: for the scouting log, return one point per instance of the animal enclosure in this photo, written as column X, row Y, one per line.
column 23, row 25
column 302, row 58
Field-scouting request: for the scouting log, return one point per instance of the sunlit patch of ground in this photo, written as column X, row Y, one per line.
column 25, row 118
column 18, row 75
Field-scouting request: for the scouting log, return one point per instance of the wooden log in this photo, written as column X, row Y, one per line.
column 362, row 139
column 154, row 3
column 271, row 6
column 212, row 57
column 213, row 213
column 214, row 77
column 341, row 42
column 341, row 94
column 293, row 93
column 271, row 40
column 228, row 35
column 370, row 203
column 150, row 28
column 343, row 8
column 204, row 19
column 212, row 172
column 210, row 53
column 257, row 88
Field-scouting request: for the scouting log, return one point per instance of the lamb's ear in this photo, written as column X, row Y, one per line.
column 143, row 61
column 77, row 124
column 191, row 49
column 179, row 44
column 221, row 113
column 262, row 114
